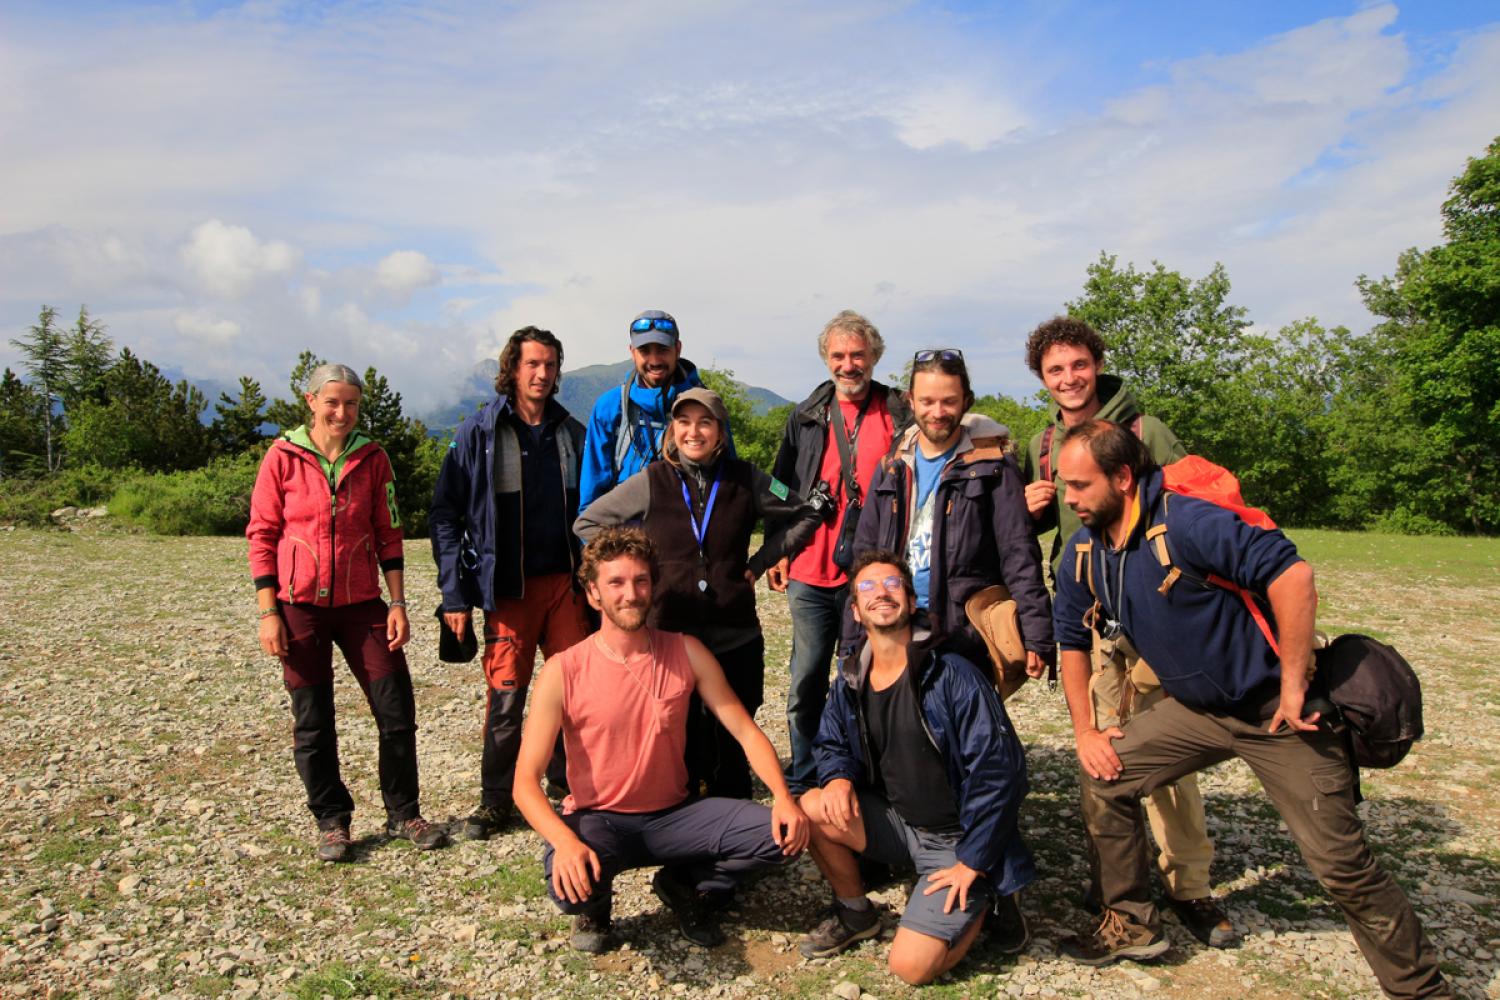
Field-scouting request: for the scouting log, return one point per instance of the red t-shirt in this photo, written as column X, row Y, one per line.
column 814, row 564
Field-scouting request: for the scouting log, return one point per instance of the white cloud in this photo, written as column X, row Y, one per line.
column 229, row 261
column 405, row 271
column 202, row 326
column 753, row 168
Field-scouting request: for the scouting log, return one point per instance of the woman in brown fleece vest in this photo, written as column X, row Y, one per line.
column 700, row 507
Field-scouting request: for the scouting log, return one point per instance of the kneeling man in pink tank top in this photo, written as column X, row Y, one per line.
column 620, row 700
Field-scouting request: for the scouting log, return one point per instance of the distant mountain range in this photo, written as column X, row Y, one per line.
column 578, row 390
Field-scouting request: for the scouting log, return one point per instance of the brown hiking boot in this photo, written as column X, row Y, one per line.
column 1114, row 937
column 1205, row 920
column 334, row 844
column 424, row 836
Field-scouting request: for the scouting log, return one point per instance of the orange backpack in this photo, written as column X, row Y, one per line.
column 1195, row 476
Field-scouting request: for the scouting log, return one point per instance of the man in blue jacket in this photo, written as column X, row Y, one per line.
column 626, row 426
column 1232, row 693
column 917, row 766
column 502, row 537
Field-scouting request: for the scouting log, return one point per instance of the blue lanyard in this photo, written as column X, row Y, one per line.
column 701, row 532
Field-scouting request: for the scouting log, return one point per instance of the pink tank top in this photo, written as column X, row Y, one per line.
column 625, row 725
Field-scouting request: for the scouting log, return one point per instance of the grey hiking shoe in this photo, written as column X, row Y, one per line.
column 1112, row 938
column 843, row 928
column 593, row 933
column 1206, row 922
column 424, row 836
column 334, row 844
column 486, row 822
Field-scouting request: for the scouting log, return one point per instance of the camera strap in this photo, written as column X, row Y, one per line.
column 848, row 442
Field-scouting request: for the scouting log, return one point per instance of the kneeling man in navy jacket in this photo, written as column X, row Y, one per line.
column 917, row 766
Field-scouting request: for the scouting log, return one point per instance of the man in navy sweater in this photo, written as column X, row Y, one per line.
column 1232, row 694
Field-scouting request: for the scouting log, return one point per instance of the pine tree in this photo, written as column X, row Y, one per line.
column 46, row 360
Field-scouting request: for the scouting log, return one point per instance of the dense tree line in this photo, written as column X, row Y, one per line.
column 1396, row 428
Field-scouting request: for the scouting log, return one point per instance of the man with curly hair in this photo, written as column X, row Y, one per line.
column 502, row 537
column 1068, row 356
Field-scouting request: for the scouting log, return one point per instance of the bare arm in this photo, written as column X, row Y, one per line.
column 572, row 861
column 788, row 822
column 1294, row 602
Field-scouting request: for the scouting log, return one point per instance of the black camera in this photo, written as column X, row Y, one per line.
column 820, row 499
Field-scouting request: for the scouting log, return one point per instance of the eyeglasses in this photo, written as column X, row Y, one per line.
column 892, row 582
column 939, row 354
column 665, row 324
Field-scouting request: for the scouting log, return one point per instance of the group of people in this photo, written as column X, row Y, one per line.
column 621, row 549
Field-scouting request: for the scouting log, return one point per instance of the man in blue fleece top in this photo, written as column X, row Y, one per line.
column 617, row 448
column 1231, row 694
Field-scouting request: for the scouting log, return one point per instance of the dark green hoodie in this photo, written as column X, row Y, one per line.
column 1119, row 406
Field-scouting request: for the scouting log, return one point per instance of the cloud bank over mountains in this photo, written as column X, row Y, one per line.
column 403, row 185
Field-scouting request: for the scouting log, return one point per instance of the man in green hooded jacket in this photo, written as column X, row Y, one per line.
column 1068, row 355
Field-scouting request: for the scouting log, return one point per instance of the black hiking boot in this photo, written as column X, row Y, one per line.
column 695, row 921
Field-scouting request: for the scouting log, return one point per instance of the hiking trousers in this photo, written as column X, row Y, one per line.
column 358, row 630
column 1122, row 685
column 1310, row 782
column 553, row 616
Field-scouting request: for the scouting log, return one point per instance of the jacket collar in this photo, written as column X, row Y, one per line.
column 921, row 659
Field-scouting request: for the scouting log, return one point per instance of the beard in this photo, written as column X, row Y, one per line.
column 1108, row 511
column 901, row 621
column 938, row 430
column 627, row 617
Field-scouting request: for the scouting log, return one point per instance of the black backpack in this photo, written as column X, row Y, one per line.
column 1378, row 695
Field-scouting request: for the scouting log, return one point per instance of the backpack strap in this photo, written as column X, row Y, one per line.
column 1044, row 457
column 1157, row 536
column 625, row 429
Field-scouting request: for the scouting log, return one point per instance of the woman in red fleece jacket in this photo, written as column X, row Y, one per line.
column 323, row 529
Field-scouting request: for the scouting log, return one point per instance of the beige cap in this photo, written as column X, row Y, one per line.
column 706, row 398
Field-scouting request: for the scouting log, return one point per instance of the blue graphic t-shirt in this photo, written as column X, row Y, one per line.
column 919, row 543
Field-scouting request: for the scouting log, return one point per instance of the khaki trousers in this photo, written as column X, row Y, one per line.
column 1122, row 686
column 1308, row 779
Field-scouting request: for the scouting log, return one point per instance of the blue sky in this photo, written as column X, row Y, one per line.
column 403, row 184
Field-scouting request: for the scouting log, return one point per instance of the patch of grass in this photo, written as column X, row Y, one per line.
column 341, row 980
column 515, row 878
column 62, row 849
column 211, row 986
column 1456, row 559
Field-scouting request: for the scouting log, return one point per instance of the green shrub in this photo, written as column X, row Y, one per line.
column 31, row 501
column 1402, row 521
column 211, row 500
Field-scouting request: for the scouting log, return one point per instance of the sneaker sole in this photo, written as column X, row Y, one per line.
column 1135, row 952
column 864, row 934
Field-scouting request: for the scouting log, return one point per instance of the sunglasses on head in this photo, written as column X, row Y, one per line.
column 664, row 323
column 892, row 582
column 938, row 354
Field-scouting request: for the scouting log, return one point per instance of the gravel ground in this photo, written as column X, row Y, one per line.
column 156, row 842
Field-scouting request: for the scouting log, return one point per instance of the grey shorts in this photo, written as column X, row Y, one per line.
column 890, row 839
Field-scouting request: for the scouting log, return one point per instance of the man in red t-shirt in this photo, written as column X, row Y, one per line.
column 868, row 416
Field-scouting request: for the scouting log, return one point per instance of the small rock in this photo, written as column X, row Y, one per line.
column 466, row 933
column 1454, row 894
column 847, row 990
column 128, row 884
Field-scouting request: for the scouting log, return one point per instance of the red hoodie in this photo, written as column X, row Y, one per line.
column 317, row 543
